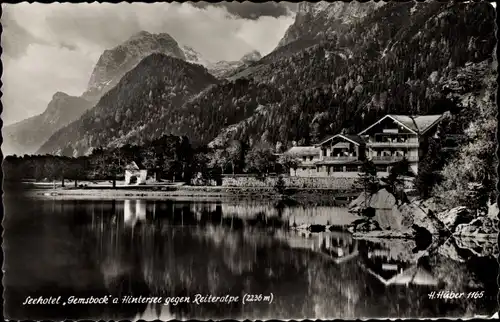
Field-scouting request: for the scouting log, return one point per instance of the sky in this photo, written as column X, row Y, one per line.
column 49, row 48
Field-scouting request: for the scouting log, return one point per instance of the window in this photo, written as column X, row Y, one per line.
column 338, row 168
column 352, row 168
column 310, row 158
column 304, row 158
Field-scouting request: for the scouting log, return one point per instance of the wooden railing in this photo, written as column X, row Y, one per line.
column 393, row 144
column 393, row 158
column 342, row 158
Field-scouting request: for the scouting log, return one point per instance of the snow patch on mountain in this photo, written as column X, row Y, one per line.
column 194, row 57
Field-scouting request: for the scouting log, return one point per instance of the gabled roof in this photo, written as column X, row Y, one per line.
column 348, row 137
column 303, row 151
column 135, row 165
column 416, row 124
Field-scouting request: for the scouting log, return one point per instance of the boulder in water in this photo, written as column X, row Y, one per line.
column 382, row 199
column 456, row 216
column 416, row 216
column 478, row 227
column 381, row 206
column 449, row 249
column 364, row 225
column 493, row 211
column 479, row 247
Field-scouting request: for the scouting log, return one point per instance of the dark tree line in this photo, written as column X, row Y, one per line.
column 168, row 157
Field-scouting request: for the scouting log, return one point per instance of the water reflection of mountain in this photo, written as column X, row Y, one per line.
column 166, row 248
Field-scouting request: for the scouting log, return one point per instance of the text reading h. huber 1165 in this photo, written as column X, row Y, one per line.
column 455, row 295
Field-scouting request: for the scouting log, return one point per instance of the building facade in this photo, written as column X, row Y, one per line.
column 306, row 157
column 389, row 140
column 135, row 173
column 395, row 137
column 341, row 156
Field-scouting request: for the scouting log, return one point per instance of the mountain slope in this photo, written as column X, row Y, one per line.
column 324, row 19
column 27, row 136
column 115, row 63
column 203, row 117
column 155, row 87
column 194, row 57
column 387, row 63
column 222, row 69
column 314, row 23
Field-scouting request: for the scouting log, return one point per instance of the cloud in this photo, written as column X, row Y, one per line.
column 54, row 47
column 251, row 10
column 15, row 39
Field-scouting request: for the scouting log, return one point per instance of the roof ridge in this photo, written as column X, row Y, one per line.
column 412, row 117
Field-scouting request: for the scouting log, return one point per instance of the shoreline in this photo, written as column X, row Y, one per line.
column 306, row 196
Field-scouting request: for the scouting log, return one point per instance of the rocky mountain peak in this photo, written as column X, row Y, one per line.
column 192, row 56
column 223, row 69
column 314, row 20
column 140, row 35
column 59, row 95
column 115, row 62
column 251, row 57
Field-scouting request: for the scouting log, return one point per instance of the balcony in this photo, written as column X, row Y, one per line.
column 393, row 140
column 379, row 144
column 394, row 158
column 342, row 158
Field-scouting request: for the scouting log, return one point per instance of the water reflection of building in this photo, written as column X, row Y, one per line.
column 339, row 246
column 393, row 264
column 134, row 211
column 413, row 275
column 336, row 246
column 382, row 262
column 155, row 312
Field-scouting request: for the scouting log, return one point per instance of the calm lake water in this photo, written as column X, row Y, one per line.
column 179, row 249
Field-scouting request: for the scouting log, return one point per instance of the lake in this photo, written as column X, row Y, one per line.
column 176, row 249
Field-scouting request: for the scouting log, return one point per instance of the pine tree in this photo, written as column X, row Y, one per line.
column 367, row 178
column 398, row 170
column 429, row 169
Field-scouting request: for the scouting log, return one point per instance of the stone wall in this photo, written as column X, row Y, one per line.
column 290, row 182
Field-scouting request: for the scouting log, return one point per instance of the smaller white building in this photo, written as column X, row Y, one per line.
column 307, row 156
column 135, row 173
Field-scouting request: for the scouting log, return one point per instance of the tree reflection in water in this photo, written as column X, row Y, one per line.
column 171, row 248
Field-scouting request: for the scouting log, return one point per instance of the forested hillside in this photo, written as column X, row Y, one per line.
column 320, row 20
column 401, row 53
column 216, row 108
column 154, row 88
